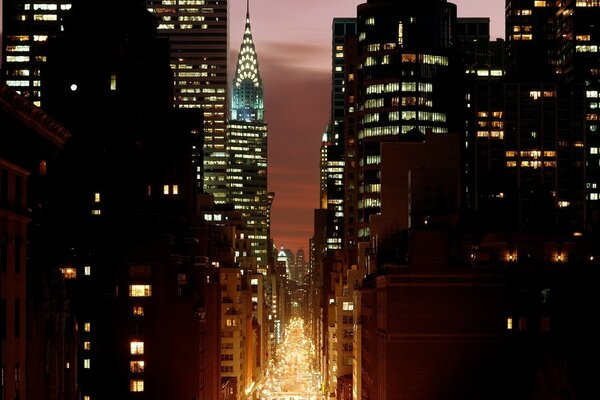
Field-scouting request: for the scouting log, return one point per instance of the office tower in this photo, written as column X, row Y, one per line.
column 300, row 272
column 122, row 212
column 477, row 49
column 530, row 39
column 578, row 38
column 351, row 149
column 533, row 150
column 26, row 28
column 342, row 28
column 198, row 32
column 29, row 142
column 247, row 149
column 332, row 147
column 407, row 77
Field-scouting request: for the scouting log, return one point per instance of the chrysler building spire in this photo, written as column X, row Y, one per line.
column 247, row 93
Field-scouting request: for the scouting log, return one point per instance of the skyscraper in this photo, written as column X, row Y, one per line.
column 27, row 26
column 135, row 282
column 332, row 146
column 198, row 32
column 407, row 77
column 247, row 149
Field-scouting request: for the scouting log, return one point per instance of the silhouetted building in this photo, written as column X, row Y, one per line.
column 198, row 33
column 121, row 223
column 33, row 361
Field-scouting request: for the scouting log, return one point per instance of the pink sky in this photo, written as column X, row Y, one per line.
column 293, row 42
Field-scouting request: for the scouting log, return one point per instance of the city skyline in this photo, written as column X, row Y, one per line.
column 281, row 32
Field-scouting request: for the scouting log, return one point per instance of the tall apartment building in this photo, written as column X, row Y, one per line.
column 332, row 146
column 534, row 146
column 126, row 236
column 406, row 87
column 198, row 32
column 26, row 28
column 247, row 136
column 578, row 60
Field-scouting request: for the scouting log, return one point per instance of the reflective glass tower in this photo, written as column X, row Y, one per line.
column 247, row 149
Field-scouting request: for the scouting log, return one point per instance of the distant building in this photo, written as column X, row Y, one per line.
column 247, row 150
column 198, row 34
column 26, row 28
column 332, row 146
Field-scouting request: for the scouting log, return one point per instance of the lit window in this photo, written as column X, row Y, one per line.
column 86, row 363
column 535, row 94
column 43, row 168
column 97, row 197
column 87, row 327
column 69, row 272
column 347, row 306
column 509, row 323
column 136, row 348
column 400, row 34
column 138, row 311
column 87, row 345
column 96, row 212
column 87, row 397
column 165, row 189
column 140, row 290
column 136, row 385
column 136, row 366
column 175, row 189
column 113, row 82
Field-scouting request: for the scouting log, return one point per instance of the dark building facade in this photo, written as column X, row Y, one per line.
column 29, row 144
column 121, row 224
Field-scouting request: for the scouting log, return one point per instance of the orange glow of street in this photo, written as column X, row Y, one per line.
column 292, row 375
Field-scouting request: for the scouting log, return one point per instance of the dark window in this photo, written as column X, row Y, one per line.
column 3, row 253
column 4, row 188
column 17, row 318
column 3, row 319
column 18, row 192
column 18, row 245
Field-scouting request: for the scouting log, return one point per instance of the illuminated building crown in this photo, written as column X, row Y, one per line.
column 247, row 92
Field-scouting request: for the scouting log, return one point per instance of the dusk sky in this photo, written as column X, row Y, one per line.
column 293, row 42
